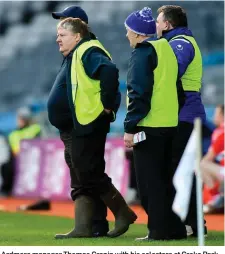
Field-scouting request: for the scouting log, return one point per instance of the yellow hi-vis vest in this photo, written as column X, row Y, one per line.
column 16, row 136
column 164, row 101
column 85, row 91
column 192, row 78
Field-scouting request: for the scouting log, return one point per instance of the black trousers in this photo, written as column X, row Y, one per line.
column 180, row 141
column 85, row 159
column 130, row 158
column 7, row 171
column 154, row 173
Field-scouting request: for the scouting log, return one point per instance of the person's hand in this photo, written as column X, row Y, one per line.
column 107, row 111
column 128, row 140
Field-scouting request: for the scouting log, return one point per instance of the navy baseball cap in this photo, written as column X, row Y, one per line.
column 72, row 12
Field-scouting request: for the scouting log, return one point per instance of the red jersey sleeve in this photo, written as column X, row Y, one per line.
column 218, row 144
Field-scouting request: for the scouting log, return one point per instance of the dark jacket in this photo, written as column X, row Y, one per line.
column 59, row 113
column 60, row 100
column 140, row 81
column 97, row 65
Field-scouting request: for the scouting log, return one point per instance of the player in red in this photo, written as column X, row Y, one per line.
column 213, row 173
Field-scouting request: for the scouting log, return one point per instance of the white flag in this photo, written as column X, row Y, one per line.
column 183, row 178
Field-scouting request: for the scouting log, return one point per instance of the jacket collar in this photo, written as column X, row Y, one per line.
column 151, row 39
column 146, row 41
column 91, row 37
column 168, row 35
column 78, row 44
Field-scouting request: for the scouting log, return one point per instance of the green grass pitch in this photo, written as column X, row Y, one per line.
column 17, row 229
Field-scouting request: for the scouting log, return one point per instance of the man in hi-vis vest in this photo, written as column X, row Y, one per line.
column 92, row 87
column 152, row 108
column 60, row 116
column 173, row 26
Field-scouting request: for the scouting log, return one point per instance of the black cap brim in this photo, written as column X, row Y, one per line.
column 58, row 15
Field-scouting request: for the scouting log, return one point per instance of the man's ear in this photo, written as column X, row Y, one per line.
column 168, row 26
column 78, row 37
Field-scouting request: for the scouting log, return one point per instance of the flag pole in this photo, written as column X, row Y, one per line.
column 200, row 219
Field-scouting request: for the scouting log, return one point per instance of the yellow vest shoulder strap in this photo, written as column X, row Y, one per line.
column 88, row 44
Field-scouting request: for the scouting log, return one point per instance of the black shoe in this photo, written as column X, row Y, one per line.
column 100, row 227
column 163, row 236
column 42, row 205
column 100, row 230
column 175, row 236
column 100, row 233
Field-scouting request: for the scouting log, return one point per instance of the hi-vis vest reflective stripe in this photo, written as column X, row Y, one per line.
column 26, row 133
column 164, row 101
column 85, row 91
column 192, row 78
